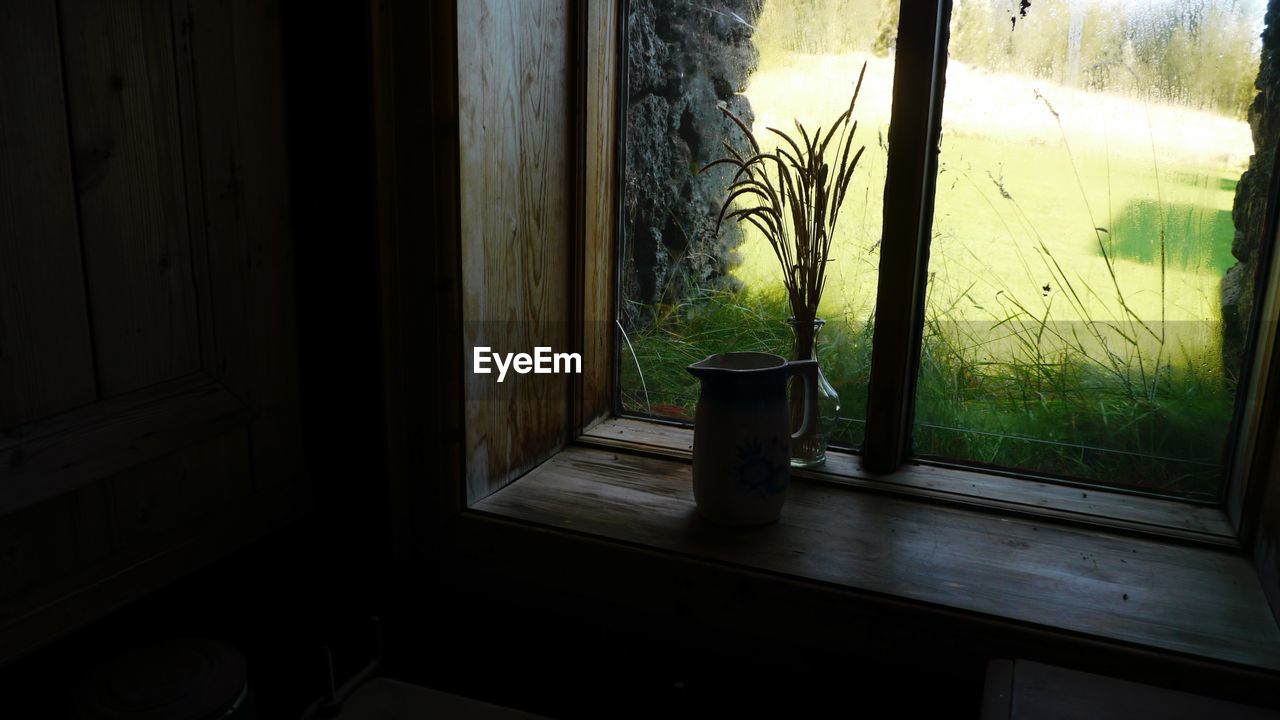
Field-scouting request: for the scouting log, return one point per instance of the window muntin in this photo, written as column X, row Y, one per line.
column 684, row 340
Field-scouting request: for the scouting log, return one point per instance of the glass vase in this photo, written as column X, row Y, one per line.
column 811, row 448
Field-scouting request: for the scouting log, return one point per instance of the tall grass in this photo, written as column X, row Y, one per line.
column 1078, row 391
column 1051, row 410
column 713, row 321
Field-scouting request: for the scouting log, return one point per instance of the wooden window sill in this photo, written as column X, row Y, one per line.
column 1128, row 512
column 1201, row 602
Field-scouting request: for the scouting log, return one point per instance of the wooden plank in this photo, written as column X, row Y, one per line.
column 1102, row 508
column 599, row 265
column 46, row 358
column 60, row 540
column 127, row 144
column 46, row 458
column 144, row 565
column 230, row 87
column 1193, row 601
column 420, row 261
column 167, row 493
column 593, row 577
column 269, row 293
column 513, row 74
column 42, row 545
column 35, row 549
column 214, row 171
column 1045, row 692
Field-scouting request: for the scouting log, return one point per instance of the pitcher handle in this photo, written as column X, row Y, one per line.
column 808, row 371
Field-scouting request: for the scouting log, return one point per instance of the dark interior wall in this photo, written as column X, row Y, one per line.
column 149, row 386
column 313, row 573
column 328, row 111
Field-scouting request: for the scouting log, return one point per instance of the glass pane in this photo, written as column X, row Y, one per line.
column 687, row 291
column 1084, row 314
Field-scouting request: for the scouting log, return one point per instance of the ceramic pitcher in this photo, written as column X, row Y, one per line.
column 742, row 434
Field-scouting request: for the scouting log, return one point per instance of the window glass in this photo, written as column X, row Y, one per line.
column 688, row 291
column 1086, row 310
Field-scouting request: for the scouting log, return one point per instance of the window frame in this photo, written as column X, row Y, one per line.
column 442, row 530
column 885, row 460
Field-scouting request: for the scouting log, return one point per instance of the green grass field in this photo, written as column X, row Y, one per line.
column 1079, row 244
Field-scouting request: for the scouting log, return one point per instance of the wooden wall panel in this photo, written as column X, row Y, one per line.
column 55, row 555
column 514, row 130
column 35, row 552
column 46, row 358
column 167, row 493
column 269, row 292
column 177, row 437
column 421, row 262
column 62, row 453
column 229, row 85
column 211, row 147
column 127, row 142
column 600, row 261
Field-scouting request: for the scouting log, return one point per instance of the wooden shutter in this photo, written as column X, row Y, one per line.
column 515, row 130
column 148, row 399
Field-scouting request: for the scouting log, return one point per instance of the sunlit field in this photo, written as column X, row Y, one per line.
column 1136, row 162
column 1079, row 242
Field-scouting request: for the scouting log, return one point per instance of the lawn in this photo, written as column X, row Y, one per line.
column 1078, row 247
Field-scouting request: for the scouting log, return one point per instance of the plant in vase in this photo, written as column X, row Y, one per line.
column 792, row 195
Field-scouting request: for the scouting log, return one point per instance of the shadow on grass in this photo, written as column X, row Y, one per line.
column 1195, row 236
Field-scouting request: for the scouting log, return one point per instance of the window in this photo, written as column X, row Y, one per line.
column 688, row 290
column 533, row 475
column 1064, row 290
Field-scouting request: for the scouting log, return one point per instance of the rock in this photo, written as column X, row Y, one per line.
column 683, row 59
column 1249, row 208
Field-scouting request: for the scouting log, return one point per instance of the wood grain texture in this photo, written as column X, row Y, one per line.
column 177, row 536
column 514, row 129
column 1193, row 601
column 46, row 357
column 176, row 129
column 420, row 263
column 53, row 456
column 35, row 551
column 230, row 89
column 48, row 548
column 214, row 174
column 1115, row 510
column 165, row 494
column 127, row 150
column 1035, row 691
column 600, row 240
column 269, row 298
